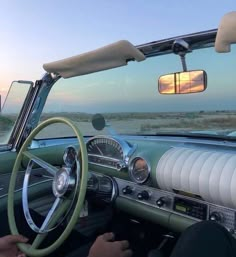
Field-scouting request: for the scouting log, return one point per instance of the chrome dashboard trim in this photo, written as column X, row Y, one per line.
column 131, row 167
column 127, row 150
column 229, row 214
column 117, row 161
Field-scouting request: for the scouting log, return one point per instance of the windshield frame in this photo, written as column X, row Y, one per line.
column 197, row 40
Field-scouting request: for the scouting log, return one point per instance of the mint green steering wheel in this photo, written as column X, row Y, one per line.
column 57, row 210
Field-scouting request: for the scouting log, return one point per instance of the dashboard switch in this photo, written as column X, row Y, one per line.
column 161, row 202
column 127, row 190
column 144, row 195
column 120, row 166
column 216, row 216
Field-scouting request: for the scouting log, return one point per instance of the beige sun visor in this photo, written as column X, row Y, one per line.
column 104, row 58
column 226, row 34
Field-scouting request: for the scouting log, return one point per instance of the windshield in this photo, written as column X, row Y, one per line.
column 129, row 100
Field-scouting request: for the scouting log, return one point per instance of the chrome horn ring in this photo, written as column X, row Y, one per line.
column 64, row 183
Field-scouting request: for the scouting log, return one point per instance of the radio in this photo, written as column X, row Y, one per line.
column 190, row 208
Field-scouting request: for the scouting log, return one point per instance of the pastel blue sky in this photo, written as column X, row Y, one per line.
column 35, row 32
column 133, row 88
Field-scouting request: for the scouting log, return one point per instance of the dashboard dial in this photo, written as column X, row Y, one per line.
column 70, row 155
column 106, row 151
column 106, row 147
column 139, row 170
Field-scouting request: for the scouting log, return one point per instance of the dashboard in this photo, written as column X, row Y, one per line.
column 172, row 181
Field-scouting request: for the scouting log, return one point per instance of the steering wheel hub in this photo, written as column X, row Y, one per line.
column 62, row 182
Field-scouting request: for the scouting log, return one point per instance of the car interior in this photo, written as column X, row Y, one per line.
column 69, row 175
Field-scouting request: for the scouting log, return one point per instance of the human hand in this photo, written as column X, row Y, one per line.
column 105, row 246
column 8, row 246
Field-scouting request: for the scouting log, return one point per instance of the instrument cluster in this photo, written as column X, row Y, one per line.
column 116, row 153
column 109, row 152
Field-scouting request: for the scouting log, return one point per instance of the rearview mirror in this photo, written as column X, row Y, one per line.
column 183, row 82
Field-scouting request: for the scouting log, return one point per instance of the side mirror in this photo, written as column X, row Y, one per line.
column 186, row 82
column 16, row 96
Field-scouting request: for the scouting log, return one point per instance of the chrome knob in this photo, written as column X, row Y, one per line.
column 144, row 195
column 127, row 190
column 216, row 216
column 121, row 166
column 161, row 202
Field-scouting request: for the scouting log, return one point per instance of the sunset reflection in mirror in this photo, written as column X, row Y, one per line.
column 183, row 82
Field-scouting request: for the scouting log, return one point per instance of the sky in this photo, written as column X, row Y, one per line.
column 36, row 32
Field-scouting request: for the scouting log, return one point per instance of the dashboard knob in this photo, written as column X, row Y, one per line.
column 216, row 216
column 127, row 190
column 161, row 202
column 121, row 166
column 144, row 195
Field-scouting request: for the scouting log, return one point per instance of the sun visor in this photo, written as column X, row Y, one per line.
column 104, row 58
column 226, row 34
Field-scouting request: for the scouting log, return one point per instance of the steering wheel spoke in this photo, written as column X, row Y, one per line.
column 45, row 165
column 57, row 210
column 50, row 215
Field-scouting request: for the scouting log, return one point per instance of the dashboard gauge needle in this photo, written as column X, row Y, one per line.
column 99, row 150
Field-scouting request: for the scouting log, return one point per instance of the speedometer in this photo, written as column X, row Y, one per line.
column 111, row 152
column 105, row 147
